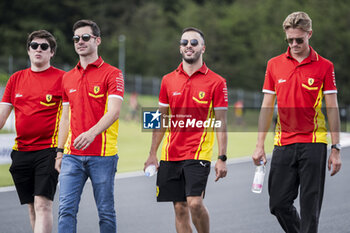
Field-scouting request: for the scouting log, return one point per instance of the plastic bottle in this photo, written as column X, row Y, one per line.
column 150, row 170
column 258, row 178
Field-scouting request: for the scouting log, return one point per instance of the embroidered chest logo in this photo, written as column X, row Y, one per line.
column 96, row 89
column 310, row 81
column 48, row 98
column 201, row 94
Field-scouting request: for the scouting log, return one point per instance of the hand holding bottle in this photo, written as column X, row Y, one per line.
column 258, row 178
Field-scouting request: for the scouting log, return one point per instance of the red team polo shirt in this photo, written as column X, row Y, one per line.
column 300, row 88
column 37, row 102
column 191, row 99
column 87, row 92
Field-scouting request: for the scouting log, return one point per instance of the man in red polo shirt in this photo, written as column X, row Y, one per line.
column 195, row 99
column 35, row 95
column 299, row 79
column 92, row 97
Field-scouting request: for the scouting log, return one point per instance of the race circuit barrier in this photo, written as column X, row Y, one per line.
column 6, row 143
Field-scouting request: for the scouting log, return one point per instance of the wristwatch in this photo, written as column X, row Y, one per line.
column 222, row 157
column 59, row 150
column 336, row 146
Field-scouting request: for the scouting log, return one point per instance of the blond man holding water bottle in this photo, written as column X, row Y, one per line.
column 299, row 79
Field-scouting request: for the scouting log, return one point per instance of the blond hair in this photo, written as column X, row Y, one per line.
column 299, row 20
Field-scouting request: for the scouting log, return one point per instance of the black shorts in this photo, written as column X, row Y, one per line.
column 34, row 174
column 177, row 180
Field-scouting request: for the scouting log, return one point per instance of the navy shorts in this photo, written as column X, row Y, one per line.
column 34, row 174
column 177, row 180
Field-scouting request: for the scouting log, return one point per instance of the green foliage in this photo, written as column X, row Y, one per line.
column 3, row 78
column 5, row 175
column 241, row 35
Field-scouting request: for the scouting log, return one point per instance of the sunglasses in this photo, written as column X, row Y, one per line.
column 35, row 45
column 193, row 42
column 298, row 40
column 85, row 37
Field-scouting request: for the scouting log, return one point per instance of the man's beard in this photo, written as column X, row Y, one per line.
column 192, row 60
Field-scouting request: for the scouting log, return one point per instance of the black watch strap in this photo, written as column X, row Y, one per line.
column 336, row 146
column 59, row 150
column 222, row 157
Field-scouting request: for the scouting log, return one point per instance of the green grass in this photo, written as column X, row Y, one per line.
column 5, row 176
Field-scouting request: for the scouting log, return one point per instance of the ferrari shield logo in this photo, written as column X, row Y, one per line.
column 48, row 98
column 96, row 89
column 201, row 94
column 310, row 81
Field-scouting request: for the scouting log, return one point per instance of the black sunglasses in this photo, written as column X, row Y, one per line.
column 298, row 40
column 35, row 45
column 194, row 42
column 85, row 37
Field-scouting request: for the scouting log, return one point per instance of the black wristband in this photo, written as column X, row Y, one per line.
column 336, row 146
column 222, row 157
column 59, row 150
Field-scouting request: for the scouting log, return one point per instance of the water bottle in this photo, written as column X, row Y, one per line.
column 150, row 170
column 258, row 178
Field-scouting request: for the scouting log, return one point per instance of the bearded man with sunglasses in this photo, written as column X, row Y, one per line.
column 299, row 79
column 92, row 95
column 191, row 93
column 35, row 95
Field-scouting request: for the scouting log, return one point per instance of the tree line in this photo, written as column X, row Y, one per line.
column 241, row 35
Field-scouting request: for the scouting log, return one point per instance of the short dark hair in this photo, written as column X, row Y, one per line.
column 43, row 34
column 86, row 22
column 195, row 30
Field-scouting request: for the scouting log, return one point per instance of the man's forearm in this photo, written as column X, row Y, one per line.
column 333, row 117
column 157, row 137
column 5, row 110
column 265, row 118
column 334, row 124
column 221, row 133
column 158, row 134
column 63, row 128
column 111, row 116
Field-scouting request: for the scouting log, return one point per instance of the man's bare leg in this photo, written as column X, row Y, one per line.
column 199, row 214
column 182, row 218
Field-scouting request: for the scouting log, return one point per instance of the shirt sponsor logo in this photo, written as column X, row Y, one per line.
column 18, row 95
column 224, row 90
column 120, row 82
column 201, row 94
column 176, row 93
column 72, row 90
column 282, row 80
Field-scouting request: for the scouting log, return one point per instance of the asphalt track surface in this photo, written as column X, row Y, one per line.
column 233, row 207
